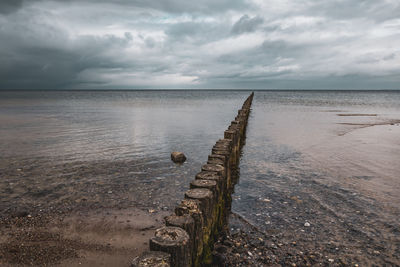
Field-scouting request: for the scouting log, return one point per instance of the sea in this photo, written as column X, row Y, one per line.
column 318, row 167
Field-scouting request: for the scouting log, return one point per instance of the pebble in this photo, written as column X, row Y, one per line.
column 307, row 224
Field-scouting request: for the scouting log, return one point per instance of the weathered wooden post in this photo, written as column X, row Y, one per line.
column 175, row 241
column 192, row 207
column 207, row 184
column 185, row 222
column 219, row 169
column 206, row 199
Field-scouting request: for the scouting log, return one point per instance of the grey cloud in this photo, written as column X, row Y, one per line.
column 128, row 44
column 170, row 6
column 246, row 24
column 389, row 57
column 178, row 6
column 368, row 9
column 150, row 42
column 197, row 33
column 44, row 67
column 10, row 6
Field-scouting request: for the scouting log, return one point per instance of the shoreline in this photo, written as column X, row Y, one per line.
column 335, row 196
column 78, row 238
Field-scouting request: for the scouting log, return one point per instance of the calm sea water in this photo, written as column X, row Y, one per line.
column 327, row 159
column 64, row 150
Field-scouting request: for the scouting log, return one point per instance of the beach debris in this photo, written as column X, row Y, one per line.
column 178, row 157
column 307, row 224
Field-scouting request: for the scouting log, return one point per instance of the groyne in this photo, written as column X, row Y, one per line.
column 188, row 236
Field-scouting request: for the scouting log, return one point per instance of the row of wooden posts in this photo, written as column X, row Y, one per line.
column 188, row 235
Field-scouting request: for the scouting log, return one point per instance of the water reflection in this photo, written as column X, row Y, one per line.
column 67, row 150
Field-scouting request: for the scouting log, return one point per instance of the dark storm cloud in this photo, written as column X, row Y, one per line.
column 173, row 6
column 54, row 44
column 10, row 6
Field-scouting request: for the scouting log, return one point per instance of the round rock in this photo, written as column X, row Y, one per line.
column 178, row 157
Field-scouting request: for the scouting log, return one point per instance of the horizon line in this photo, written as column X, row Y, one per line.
column 197, row 89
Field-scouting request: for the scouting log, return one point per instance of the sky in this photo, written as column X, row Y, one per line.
column 212, row 44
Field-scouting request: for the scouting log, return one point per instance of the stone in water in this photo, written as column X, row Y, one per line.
column 178, row 157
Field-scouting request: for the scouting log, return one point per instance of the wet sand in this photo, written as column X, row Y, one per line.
column 93, row 238
column 63, row 214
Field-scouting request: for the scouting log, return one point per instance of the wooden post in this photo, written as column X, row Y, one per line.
column 206, row 199
column 226, row 153
column 216, row 161
column 192, row 208
column 229, row 134
column 207, row 184
column 221, row 157
column 213, row 176
column 214, row 168
column 186, row 222
column 175, row 241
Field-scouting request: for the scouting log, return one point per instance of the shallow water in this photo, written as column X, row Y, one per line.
column 64, row 150
column 322, row 170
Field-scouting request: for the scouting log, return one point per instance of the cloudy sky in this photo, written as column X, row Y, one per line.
column 283, row 44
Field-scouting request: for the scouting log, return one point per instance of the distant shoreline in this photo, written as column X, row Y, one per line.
column 216, row 90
